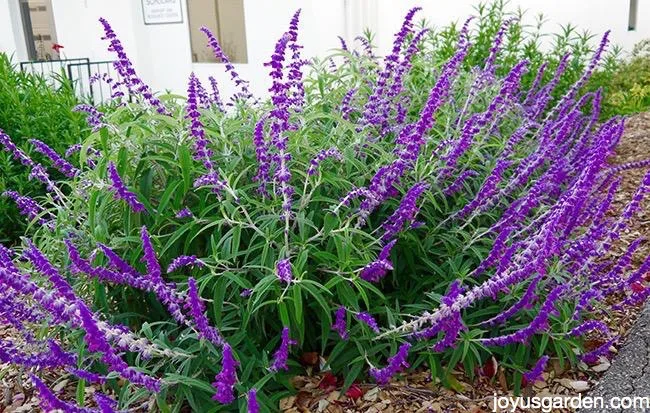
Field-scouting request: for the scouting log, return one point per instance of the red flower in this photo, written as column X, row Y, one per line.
column 57, row 47
column 637, row 287
column 490, row 367
column 354, row 392
column 328, row 380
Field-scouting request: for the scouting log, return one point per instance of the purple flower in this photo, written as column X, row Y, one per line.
column 487, row 190
column 30, row 208
column 97, row 342
column 117, row 262
column 121, row 192
column 10, row 147
column 221, row 57
column 281, row 355
column 197, row 311
column 283, row 271
column 92, row 153
column 590, row 325
column 105, row 403
column 42, row 265
column 211, row 179
column 458, row 183
column 263, row 175
column 201, row 150
column 215, row 96
column 525, row 301
column 127, row 73
column 252, row 405
column 95, row 118
column 536, row 372
column 321, row 156
column 225, row 381
column 149, row 257
column 368, row 320
column 406, row 211
column 184, row 261
column 346, row 103
column 184, row 213
column 340, row 325
column 59, row 163
column 376, row 270
column 49, row 402
column 593, row 355
column 396, row 364
column 39, row 173
column 539, row 322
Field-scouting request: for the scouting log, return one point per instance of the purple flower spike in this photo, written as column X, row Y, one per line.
column 283, row 271
column 396, row 364
column 28, row 207
column 225, row 381
column 184, row 213
column 49, row 402
column 197, row 311
column 59, row 163
column 121, row 192
column 368, row 320
column 281, row 355
column 184, row 261
column 127, row 73
column 592, row 356
column 210, row 179
column 105, row 403
column 215, row 96
column 377, row 269
column 340, row 324
column 201, row 151
column 253, row 406
column 221, row 56
column 10, row 147
column 149, row 257
column 406, row 211
column 322, row 155
column 535, row 373
column 95, row 118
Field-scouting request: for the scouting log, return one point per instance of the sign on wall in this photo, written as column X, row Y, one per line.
column 162, row 11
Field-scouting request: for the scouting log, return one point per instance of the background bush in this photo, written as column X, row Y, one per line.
column 628, row 87
column 30, row 107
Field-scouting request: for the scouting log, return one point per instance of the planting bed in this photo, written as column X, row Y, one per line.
column 415, row 391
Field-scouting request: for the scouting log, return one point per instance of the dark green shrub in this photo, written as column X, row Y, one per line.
column 31, row 108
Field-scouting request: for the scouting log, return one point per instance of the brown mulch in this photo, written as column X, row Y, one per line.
column 416, row 391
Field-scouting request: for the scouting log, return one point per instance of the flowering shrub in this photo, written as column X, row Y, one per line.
column 386, row 214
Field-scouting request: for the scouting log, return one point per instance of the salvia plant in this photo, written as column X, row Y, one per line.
column 393, row 213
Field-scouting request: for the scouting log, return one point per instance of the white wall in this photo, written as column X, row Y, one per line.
column 597, row 16
column 12, row 37
column 162, row 53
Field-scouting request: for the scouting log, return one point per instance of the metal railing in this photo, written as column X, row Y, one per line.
column 84, row 75
column 47, row 67
column 86, row 79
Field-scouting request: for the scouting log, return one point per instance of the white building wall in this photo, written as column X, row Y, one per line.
column 162, row 53
column 12, row 37
column 596, row 16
